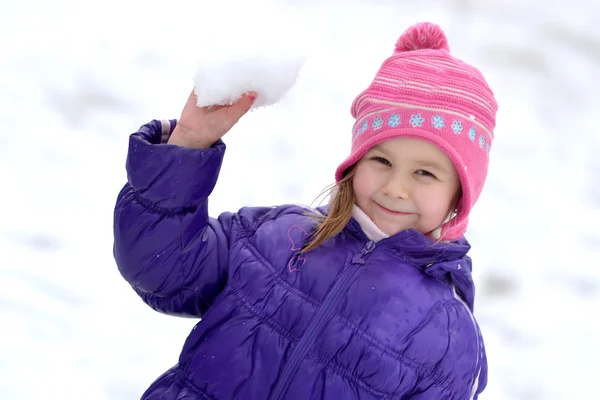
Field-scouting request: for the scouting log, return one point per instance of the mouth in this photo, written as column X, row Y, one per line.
column 393, row 212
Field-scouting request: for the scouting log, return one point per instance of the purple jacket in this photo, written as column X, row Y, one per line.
column 352, row 319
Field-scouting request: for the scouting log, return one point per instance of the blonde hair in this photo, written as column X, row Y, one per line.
column 340, row 213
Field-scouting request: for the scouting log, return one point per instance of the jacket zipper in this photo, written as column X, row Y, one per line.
column 318, row 322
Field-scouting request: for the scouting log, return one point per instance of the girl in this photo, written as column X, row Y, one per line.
column 369, row 297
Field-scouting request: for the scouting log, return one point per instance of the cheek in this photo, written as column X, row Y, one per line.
column 435, row 202
column 363, row 184
column 358, row 186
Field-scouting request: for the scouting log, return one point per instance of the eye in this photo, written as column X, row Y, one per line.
column 423, row 172
column 381, row 160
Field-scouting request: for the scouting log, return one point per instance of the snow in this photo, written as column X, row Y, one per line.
column 76, row 78
column 267, row 60
column 224, row 82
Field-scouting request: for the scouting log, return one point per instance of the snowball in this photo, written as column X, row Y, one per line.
column 223, row 80
column 237, row 53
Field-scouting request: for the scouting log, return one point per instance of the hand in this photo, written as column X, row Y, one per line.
column 201, row 127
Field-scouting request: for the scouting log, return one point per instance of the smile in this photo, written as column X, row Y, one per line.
column 387, row 210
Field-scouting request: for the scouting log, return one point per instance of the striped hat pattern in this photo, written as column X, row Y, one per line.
column 423, row 92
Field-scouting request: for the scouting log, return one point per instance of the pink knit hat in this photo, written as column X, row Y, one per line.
column 423, row 92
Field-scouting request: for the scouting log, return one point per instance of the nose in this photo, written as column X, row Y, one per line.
column 397, row 187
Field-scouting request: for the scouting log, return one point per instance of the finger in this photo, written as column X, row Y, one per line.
column 192, row 103
column 213, row 108
column 239, row 108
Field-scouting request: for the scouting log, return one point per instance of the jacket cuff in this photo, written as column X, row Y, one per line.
column 170, row 176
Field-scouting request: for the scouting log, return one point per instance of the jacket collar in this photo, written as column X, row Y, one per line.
column 369, row 227
column 442, row 260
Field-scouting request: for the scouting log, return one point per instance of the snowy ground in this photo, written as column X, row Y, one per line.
column 77, row 77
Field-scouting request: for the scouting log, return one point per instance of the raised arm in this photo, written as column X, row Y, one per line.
column 166, row 246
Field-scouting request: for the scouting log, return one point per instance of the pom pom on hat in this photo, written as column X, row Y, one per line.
column 424, row 35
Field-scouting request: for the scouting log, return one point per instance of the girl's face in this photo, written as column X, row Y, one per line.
column 406, row 183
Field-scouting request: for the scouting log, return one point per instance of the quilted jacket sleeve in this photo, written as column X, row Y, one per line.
column 165, row 245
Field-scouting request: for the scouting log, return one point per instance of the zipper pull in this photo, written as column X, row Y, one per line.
column 359, row 258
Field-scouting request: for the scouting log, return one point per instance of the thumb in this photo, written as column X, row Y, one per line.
column 239, row 108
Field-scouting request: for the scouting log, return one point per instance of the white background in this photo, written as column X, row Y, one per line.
column 76, row 78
